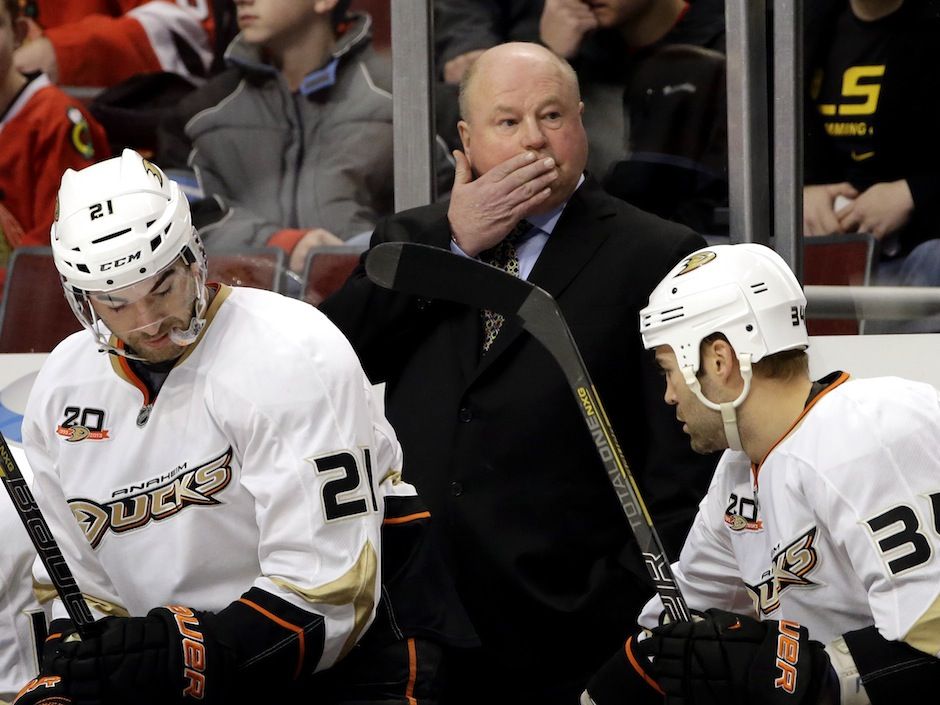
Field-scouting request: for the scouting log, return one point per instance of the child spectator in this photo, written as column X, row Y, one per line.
column 42, row 133
column 292, row 145
column 676, row 162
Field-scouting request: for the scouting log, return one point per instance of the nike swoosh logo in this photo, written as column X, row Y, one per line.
column 863, row 156
column 736, row 625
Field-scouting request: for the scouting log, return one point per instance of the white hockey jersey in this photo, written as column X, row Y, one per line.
column 262, row 462
column 838, row 528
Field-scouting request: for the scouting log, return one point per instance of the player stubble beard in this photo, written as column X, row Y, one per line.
column 704, row 427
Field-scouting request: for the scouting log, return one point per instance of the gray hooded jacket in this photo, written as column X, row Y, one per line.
column 320, row 157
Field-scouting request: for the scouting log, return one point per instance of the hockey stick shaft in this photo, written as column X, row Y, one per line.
column 39, row 533
column 434, row 273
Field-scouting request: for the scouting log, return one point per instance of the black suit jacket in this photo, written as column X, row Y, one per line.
column 542, row 553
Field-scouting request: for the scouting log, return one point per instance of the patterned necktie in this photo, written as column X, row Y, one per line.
column 503, row 256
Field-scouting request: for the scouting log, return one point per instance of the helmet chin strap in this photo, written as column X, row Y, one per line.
column 189, row 335
column 728, row 414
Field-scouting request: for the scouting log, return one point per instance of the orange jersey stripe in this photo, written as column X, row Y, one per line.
column 755, row 469
column 129, row 375
column 412, row 672
column 407, row 518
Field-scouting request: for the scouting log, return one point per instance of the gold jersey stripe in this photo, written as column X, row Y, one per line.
column 45, row 592
column 925, row 634
column 356, row 587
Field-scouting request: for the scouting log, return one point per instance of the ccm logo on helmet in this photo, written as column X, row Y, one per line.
column 120, row 261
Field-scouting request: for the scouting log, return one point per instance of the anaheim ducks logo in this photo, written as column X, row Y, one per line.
column 790, row 567
column 699, row 259
column 151, row 169
column 76, row 433
column 736, row 522
column 156, row 499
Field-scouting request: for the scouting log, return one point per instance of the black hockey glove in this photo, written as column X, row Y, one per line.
column 48, row 688
column 43, row 690
column 731, row 659
column 60, row 631
column 251, row 651
column 170, row 656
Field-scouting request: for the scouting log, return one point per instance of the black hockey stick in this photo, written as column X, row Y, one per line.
column 435, row 273
column 44, row 541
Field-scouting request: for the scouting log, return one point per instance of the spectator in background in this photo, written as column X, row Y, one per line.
column 127, row 59
column 543, row 556
column 42, row 133
column 871, row 152
column 292, row 145
column 99, row 43
column 676, row 163
column 464, row 29
column 601, row 40
column 566, row 25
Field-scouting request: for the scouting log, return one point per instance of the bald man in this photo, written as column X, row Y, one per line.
column 534, row 534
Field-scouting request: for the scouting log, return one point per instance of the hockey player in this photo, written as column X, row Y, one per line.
column 217, row 480
column 814, row 560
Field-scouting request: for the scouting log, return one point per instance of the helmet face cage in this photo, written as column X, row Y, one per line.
column 745, row 291
column 80, row 303
column 119, row 222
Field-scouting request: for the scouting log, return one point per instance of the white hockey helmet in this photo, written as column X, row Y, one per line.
column 744, row 291
column 120, row 222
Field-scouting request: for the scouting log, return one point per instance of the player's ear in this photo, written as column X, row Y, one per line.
column 722, row 358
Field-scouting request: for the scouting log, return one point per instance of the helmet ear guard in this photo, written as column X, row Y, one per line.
column 119, row 222
column 747, row 293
